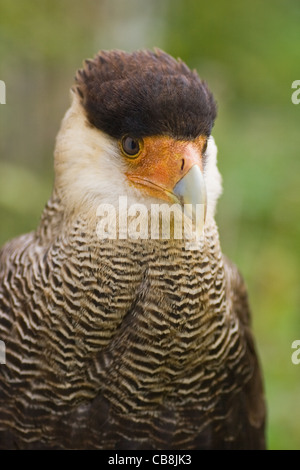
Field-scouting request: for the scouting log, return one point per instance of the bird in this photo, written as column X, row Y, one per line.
column 122, row 342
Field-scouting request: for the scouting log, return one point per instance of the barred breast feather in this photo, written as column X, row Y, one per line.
column 124, row 344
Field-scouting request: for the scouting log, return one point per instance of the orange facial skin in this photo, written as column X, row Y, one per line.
column 162, row 162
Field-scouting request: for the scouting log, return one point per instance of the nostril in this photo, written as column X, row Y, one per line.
column 182, row 164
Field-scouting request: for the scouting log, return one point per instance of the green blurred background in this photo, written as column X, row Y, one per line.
column 249, row 54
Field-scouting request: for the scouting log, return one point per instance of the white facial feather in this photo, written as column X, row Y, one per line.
column 88, row 167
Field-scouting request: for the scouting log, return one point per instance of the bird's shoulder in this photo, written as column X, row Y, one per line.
column 14, row 248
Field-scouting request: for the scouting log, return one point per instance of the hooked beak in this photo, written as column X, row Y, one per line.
column 191, row 192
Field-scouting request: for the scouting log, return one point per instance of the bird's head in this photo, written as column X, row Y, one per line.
column 139, row 126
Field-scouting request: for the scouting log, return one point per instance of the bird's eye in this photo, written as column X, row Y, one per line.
column 131, row 146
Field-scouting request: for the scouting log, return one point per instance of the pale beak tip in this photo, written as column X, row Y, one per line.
column 191, row 192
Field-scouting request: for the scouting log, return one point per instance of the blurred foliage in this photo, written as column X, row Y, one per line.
column 249, row 54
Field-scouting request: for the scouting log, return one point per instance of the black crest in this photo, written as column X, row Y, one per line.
column 145, row 93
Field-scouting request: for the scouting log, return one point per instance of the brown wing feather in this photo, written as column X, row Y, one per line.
column 254, row 389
